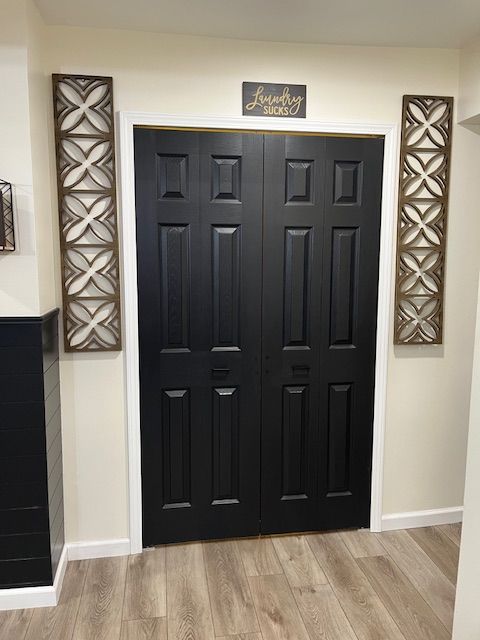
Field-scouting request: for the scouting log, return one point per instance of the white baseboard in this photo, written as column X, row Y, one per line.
column 428, row 518
column 98, row 549
column 60, row 574
column 32, row 597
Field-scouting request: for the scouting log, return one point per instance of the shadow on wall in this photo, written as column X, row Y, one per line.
column 419, row 351
column 92, row 356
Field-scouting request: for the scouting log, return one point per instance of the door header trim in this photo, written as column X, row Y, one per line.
column 127, row 121
column 321, row 134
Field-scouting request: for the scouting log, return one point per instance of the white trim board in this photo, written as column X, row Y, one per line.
column 125, row 153
column 98, row 549
column 427, row 518
column 32, row 597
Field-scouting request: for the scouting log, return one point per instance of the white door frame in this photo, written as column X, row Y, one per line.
column 126, row 122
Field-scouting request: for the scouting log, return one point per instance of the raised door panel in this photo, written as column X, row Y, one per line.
column 176, row 427
column 339, row 431
column 294, row 442
column 172, row 177
column 298, row 255
column 344, row 287
column 226, row 425
column 300, row 182
column 348, row 182
column 226, row 179
column 226, row 274
column 174, row 244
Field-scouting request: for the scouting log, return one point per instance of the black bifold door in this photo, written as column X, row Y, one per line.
column 257, row 283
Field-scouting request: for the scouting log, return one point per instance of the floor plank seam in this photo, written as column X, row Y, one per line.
column 166, row 586
column 431, row 557
column 202, row 544
column 293, row 595
column 380, row 596
column 74, row 626
column 123, row 599
column 251, row 596
column 375, row 591
column 28, row 625
column 420, row 594
column 333, row 591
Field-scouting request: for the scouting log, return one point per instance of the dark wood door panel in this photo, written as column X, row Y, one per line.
column 353, row 181
column 321, row 244
column 199, row 257
column 293, row 241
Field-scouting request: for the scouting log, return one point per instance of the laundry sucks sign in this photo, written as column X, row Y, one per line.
column 274, row 100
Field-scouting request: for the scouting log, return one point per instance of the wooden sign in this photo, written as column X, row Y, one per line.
column 274, row 100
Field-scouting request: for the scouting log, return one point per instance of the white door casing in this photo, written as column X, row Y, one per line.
column 126, row 123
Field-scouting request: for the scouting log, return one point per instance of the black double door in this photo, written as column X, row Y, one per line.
column 257, row 281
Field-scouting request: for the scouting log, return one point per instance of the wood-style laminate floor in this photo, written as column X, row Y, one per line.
column 350, row 585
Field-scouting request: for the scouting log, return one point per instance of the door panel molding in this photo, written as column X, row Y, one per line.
column 296, row 298
column 226, row 286
column 126, row 123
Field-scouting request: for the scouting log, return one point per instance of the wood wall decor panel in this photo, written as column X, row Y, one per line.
column 422, row 219
column 85, row 152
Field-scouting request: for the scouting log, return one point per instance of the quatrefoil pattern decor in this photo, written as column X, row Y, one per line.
column 422, row 219
column 84, row 132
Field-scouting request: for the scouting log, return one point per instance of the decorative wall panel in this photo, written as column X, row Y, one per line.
column 7, row 234
column 423, row 202
column 85, row 149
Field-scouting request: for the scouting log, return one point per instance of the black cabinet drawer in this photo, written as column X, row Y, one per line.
column 25, row 573
column 24, row 521
column 23, row 495
column 28, row 545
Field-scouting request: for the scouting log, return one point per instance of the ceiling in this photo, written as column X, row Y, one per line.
column 417, row 23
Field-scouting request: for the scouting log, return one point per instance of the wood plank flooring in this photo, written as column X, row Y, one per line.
column 350, row 585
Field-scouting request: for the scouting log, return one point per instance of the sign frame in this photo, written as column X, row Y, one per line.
column 274, row 100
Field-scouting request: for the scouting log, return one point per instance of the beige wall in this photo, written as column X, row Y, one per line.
column 42, row 158
column 428, row 388
column 469, row 102
column 467, row 613
column 18, row 271
column 27, row 280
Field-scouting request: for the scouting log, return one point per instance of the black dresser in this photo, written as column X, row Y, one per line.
column 31, row 483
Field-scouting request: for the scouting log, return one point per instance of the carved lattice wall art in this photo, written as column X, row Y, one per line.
column 422, row 219
column 84, row 132
column 7, row 233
